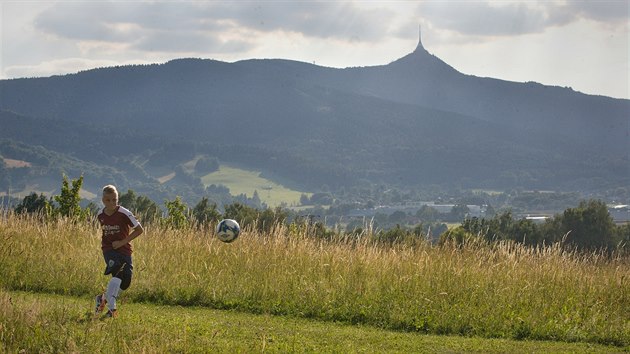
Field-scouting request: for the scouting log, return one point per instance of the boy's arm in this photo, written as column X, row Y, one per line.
column 137, row 231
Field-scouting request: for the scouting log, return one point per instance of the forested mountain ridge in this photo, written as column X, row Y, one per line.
column 411, row 123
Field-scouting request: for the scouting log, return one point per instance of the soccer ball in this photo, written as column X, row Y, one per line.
column 228, row 230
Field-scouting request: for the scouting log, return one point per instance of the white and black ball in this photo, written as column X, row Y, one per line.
column 228, row 230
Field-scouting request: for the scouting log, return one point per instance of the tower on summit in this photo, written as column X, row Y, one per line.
column 420, row 46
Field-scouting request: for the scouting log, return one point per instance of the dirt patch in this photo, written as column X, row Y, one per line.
column 11, row 163
column 166, row 178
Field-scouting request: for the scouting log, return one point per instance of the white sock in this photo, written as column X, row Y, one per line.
column 113, row 288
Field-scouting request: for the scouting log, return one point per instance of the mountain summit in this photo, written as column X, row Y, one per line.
column 420, row 47
column 421, row 60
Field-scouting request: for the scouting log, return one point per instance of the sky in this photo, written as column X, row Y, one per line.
column 567, row 43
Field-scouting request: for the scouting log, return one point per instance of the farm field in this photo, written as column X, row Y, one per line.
column 241, row 181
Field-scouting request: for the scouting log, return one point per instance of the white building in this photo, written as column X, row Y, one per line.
column 620, row 213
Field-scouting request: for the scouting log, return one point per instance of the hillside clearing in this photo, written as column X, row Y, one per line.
column 166, row 178
column 11, row 163
column 241, row 181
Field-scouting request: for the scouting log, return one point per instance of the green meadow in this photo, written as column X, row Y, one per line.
column 40, row 322
column 287, row 291
column 241, row 181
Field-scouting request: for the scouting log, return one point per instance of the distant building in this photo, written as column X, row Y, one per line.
column 537, row 219
column 620, row 213
column 413, row 207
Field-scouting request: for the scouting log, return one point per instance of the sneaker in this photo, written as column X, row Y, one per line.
column 100, row 303
column 111, row 314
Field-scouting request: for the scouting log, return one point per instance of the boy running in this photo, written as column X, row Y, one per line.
column 119, row 227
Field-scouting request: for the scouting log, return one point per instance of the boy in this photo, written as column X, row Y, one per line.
column 119, row 228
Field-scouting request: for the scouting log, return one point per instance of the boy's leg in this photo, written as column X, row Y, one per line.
column 114, row 265
column 126, row 273
column 121, row 269
column 101, row 299
column 100, row 303
column 113, row 288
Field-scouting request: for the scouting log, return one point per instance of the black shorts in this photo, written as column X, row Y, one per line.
column 119, row 266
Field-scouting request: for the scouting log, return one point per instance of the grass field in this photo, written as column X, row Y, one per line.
column 241, row 181
column 37, row 322
column 285, row 284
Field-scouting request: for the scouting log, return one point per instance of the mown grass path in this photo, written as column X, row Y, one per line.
column 36, row 322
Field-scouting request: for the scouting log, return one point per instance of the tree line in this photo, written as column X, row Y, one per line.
column 587, row 226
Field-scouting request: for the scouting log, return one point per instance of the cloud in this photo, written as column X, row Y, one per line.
column 205, row 26
column 493, row 18
column 605, row 11
column 474, row 18
column 188, row 42
column 327, row 19
column 80, row 21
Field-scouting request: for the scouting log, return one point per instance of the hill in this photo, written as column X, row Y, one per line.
column 410, row 124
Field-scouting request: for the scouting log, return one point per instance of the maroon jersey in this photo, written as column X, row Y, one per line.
column 116, row 227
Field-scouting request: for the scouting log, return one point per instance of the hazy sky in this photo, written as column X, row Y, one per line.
column 580, row 44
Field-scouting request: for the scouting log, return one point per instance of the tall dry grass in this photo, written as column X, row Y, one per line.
column 492, row 290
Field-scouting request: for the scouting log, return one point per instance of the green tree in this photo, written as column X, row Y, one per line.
column 318, row 230
column 623, row 235
column 243, row 214
column 206, row 165
column 140, row 205
column 256, row 199
column 504, row 227
column 427, row 213
column 397, row 217
column 177, row 217
column 69, row 198
column 395, row 235
column 321, row 199
column 147, row 209
column 32, row 203
column 457, row 236
column 459, row 212
column 429, row 231
column 205, row 213
column 269, row 218
column 527, row 232
column 589, row 225
column 128, row 200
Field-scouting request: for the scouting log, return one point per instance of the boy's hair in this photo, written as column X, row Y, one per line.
column 108, row 189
